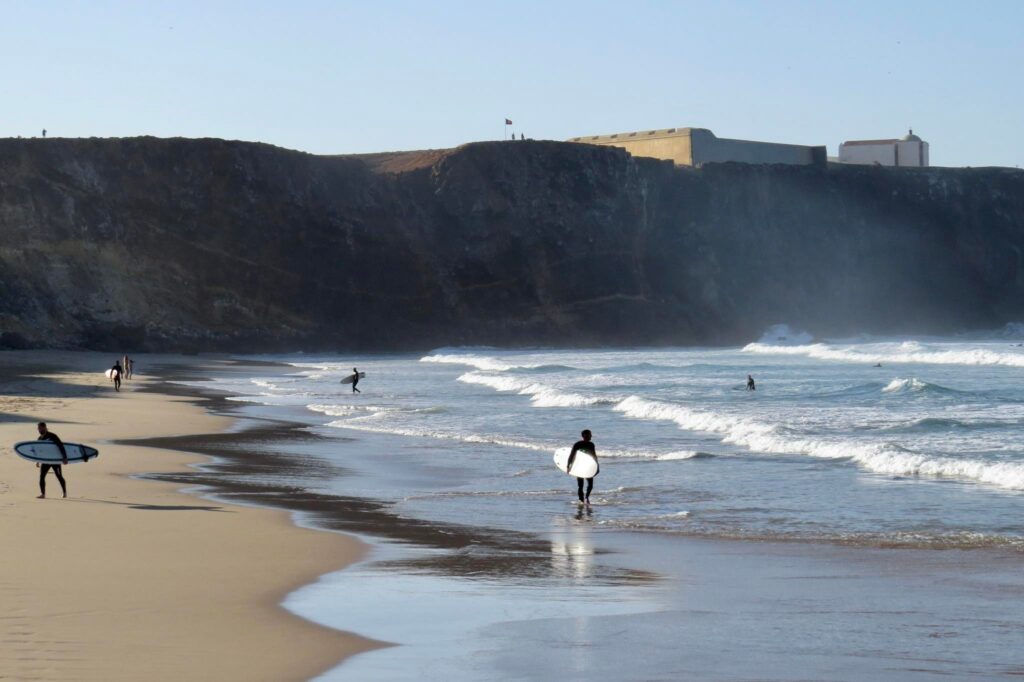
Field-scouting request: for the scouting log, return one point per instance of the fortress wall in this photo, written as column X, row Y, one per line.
column 697, row 146
column 659, row 144
column 707, row 148
column 868, row 154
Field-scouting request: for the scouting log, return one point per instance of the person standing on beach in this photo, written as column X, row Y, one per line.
column 750, row 383
column 585, row 445
column 355, row 380
column 46, row 434
column 124, row 366
column 116, row 376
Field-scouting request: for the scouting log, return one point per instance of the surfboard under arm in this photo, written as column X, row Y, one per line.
column 47, row 452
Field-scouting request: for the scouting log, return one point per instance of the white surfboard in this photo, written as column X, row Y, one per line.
column 584, row 466
column 109, row 374
column 351, row 377
column 47, row 452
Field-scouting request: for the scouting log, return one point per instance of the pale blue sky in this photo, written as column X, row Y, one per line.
column 340, row 77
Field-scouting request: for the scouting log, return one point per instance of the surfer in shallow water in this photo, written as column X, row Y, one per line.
column 46, row 434
column 585, row 445
column 751, row 386
column 355, row 380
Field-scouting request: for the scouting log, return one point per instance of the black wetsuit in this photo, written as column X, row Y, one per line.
column 750, row 384
column 355, row 380
column 45, row 468
column 117, row 375
column 588, row 447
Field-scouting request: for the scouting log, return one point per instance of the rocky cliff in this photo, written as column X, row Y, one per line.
column 146, row 244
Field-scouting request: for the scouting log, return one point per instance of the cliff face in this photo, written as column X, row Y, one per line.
column 146, row 244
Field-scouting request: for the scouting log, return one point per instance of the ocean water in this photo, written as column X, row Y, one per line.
column 925, row 450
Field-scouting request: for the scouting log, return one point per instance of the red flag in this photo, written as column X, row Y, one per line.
column 508, row 121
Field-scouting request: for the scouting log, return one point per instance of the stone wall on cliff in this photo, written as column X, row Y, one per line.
column 177, row 244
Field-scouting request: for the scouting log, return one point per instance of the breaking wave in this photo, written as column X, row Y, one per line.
column 540, row 395
column 908, row 352
column 883, row 458
column 784, row 335
column 490, row 364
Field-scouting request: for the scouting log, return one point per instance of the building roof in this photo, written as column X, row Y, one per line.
column 909, row 137
column 857, row 142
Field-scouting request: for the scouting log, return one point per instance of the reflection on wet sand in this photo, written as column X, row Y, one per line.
column 572, row 552
column 255, row 466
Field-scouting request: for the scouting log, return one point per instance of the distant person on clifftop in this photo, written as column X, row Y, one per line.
column 44, row 132
column 750, row 383
column 46, row 434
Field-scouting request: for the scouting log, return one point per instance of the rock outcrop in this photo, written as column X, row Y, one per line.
column 174, row 244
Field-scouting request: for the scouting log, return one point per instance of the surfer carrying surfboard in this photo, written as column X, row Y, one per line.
column 46, row 434
column 115, row 375
column 355, row 380
column 587, row 446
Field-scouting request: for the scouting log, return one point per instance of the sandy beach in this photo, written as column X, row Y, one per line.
column 131, row 579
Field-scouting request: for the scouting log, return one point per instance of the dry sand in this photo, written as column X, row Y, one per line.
column 131, row 579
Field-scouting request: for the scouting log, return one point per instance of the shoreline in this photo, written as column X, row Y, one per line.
column 112, row 583
column 492, row 603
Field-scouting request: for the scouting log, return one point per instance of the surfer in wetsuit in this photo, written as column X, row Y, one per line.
column 116, row 369
column 587, row 446
column 750, row 383
column 46, row 434
column 355, row 380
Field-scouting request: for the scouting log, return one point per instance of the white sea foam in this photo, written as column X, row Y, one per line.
column 345, row 410
column 681, row 454
column 883, row 458
column 783, row 334
column 363, row 425
column 482, row 362
column 375, row 420
column 901, row 385
column 908, row 352
column 540, row 394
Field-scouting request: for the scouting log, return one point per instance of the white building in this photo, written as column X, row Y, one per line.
column 909, row 150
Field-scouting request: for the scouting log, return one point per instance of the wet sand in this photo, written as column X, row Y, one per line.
column 573, row 602
column 130, row 579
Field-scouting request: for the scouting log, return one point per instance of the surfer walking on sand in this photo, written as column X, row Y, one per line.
column 585, row 445
column 116, row 376
column 46, row 434
column 750, row 383
column 355, row 380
